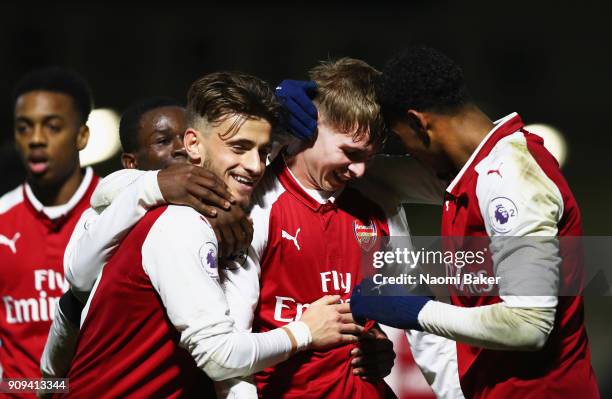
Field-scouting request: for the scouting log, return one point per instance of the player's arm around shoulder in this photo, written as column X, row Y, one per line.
column 118, row 204
column 112, row 185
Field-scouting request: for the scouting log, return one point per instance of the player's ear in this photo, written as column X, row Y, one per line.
column 192, row 140
column 82, row 137
column 128, row 160
column 419, row 122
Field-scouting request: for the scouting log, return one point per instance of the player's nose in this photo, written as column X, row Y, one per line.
column 253, row 163
column 356, row 169
column 38, row 137
column 178, row 149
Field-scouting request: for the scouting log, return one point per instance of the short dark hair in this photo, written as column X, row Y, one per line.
column 219, row 95
column 130, row 119
column 423, row 79
column 60, row 80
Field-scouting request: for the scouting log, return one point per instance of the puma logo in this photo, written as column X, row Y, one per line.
column 289, row 237
column 10, row 243
column 495, row 171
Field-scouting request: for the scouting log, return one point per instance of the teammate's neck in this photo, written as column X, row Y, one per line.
column 462, row 134
column 58, row 194
column 297, row 164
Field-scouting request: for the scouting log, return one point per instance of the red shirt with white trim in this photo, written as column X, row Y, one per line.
column 512, row 186
column 314, row 249
column 32, row 243
column 128, row 345
column 307, row 244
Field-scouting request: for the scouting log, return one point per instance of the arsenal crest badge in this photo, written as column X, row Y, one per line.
column 365, row 234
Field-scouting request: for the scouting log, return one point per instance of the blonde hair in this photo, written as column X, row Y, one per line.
column 347, row 99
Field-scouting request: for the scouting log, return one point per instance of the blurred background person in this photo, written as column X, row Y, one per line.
column 51, row 107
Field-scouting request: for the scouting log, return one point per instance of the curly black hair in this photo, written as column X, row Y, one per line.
column 130, row 120
column 423, row 79
column 59, row 80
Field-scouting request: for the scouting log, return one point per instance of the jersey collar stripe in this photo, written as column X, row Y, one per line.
column 55, row 212
column 503, row 127
column 293, row 186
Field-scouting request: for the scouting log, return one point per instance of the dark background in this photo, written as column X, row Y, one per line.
column 550, row 62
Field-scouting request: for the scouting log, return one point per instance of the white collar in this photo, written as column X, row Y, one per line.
column 54, row 212
column 321, row 196
column 498, row 123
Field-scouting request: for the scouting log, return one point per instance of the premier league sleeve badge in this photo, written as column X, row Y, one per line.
column 503, row 214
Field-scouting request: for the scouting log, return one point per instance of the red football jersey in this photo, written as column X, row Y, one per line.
column 32, row 243
column 313, row 249
column 502, row 190
column 128, row 347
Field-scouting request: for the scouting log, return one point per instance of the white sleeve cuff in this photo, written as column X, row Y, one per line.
column 152, row 195
column 301, row 333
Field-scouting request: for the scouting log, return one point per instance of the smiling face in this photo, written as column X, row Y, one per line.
column 239, row 158
column 334, row 159
column 48, row 135
column 160, row 139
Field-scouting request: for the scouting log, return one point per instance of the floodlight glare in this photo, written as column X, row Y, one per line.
column 103, row 136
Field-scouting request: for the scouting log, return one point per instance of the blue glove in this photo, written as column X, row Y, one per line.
column 388, row 304
column 294, row 95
